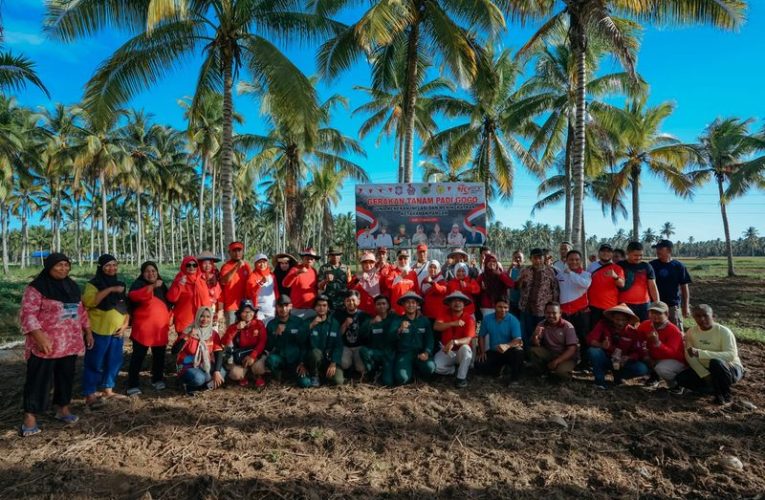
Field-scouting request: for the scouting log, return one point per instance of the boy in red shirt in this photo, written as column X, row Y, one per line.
column 457, row 330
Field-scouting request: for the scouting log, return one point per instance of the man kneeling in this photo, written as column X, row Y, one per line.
column 457, row 332
column 555, row 346
column 711, row 352
column 326, row 350
column 500, row 343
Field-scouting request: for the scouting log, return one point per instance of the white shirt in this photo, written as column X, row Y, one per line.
column 455, row 239
column 384, row 240
column 366, row 240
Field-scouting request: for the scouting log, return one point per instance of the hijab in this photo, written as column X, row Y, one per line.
column 495, row 287
column 202, row 356
column 139, row 283
column 64, row 290
column 199, row 286
column 101, row 281
column 211, row 278
column 423, row 274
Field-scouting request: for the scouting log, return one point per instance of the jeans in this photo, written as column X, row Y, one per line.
column 601, row 364
column 352, row 357
column 676, row 316
column 136, row 363
column 196, row 379
column 581, row 323
column 41, row 375
column 102, row 363
column 528, row 323
column 513, row 358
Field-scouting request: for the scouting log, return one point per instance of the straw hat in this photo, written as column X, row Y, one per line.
column 624, row 309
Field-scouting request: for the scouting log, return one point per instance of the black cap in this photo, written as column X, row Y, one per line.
column 663, row 244
column 283, row 300
column 605, row 246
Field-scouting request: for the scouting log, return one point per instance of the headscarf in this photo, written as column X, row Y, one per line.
column 279, row 275
column 461, row 265
column 65, row 290
column 212, row 277
column 101, row 281
column 495, row 287
column 139, row 283
column 202, row 356
column 423, row 274
column 199, row 285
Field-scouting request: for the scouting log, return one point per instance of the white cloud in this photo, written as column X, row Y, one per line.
column 18, row 38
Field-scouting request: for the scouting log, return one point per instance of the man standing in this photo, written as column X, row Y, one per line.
column 574, row 282
column 302, row 281
column 414, row 346
column 672, row 280
column 640, row 281
column 665, row 346
column 563, row 249
column 399, row 281
column 334, row 277
column 554, row 344
column 538, row 286
column 233, row 280
column 383, row 239
column 457, row 330
column 500, row 343
column 421, row 264
column 350, row 318
column 712, row 354
column 366, row 239
column 607, row 279
column 287, row 344
column 326, row 346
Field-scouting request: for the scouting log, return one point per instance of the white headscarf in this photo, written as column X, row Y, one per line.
column 202, row 356
column 424, row 273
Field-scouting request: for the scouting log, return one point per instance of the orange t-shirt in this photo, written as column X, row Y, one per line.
column 603, row 292
column 456, row 332
column 233, row 290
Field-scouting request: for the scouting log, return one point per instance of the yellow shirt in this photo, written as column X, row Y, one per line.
column 716, row 343
column 101, row 322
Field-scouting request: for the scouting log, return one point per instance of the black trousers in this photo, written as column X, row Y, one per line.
column 136, row 363
column 722, row 376
column 581, row 323
column 596, row 314
column 41, row 375
column 512, row 358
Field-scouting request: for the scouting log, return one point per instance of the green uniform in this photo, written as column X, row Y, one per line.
column 336, row 288
column 379, row 341
column 326, row 348
column 288, row 350
column 414, row 340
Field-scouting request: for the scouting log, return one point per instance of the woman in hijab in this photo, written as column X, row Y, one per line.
column 283, row 262
column 211, row 275
column 200, row 358
column 262, row 289
column 367, row 283
column 245, row 341
column 150, row 311
column 464, row 283
column 53, row 321
column 432, row 288
column 104, row 298
column 188, row 293
column 494, row 283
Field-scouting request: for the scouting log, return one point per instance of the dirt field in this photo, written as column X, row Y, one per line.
column 415, row 442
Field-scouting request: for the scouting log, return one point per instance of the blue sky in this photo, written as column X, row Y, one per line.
column 705, row 72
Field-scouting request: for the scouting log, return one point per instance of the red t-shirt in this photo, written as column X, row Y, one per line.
column 670, row 341
column 603, row 292
column 636, row 278
column 233, row 290
column 469, row 287
column 253, row 336
column 302, row 287
column 457, row 332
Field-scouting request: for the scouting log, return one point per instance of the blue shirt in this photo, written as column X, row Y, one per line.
column 669, row 276
column 500, row 332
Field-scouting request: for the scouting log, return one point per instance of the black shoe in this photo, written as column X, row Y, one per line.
column 461, row 383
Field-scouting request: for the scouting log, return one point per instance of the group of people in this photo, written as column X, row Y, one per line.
column 402, row 239
column 389, row 322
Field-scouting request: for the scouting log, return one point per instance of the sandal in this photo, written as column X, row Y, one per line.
column 28, row 431
column 96, row 404
column 67, row 419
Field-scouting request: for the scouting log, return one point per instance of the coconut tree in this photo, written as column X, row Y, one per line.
column 584, row 18
column 667, row 230
column 649, row 236
column 411, row 29
column 752, row 238
column 232, row 35
column 640, row 145
column 16, row 72
column 728, row 155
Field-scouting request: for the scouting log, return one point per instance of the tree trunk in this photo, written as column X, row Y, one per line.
column 92, row 234
column 104, row 218
column 24, row 236
column 188, row 231
column 410, row 99
column 567, row 180
column 214, row 211
column 724, row 212
column 579, row 45
column 77, row 229
column 226, row 173
column 172, row 234
column 635, row 182
column 139, row 236
column 201, row 240
column 4, row 214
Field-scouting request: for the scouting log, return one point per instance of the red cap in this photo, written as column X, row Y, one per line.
column 236, row 245
column 422, row 247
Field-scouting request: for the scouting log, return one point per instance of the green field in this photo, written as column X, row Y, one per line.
column 735, row 299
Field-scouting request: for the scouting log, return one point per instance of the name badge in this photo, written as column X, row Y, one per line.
column 294, row 330
column 376, row 330
column 333, row 334
column 69, row 311
column 421, row 330
column 314, row 333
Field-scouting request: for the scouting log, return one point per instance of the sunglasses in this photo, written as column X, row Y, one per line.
column 190, row 265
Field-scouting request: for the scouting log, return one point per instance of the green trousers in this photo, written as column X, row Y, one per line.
column 317, row 367
column 377, row 359
column 278, row 366
column 404, row 365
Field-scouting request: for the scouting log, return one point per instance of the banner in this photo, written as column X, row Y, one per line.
column 441, row 215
